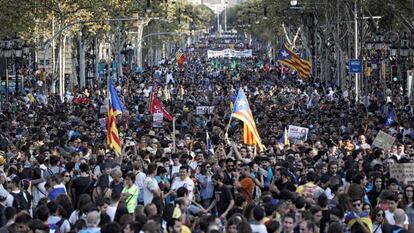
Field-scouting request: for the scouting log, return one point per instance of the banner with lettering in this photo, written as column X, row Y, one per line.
column 229, row 53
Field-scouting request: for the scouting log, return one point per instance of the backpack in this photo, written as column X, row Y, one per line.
column 21, row 200
column 55, row 228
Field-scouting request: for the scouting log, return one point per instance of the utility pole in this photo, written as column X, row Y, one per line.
column 225, row 16
column 218, row 21
column 356, row 50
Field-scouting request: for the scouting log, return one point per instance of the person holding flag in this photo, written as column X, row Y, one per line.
column 391, row 119
column 242, row 112
column 287, row 57
column 156, row 106
column 114, row 109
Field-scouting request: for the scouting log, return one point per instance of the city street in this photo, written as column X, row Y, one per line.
column 235, row 116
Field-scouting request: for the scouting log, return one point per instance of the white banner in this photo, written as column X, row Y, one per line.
column 298, row 133
column 229, row 53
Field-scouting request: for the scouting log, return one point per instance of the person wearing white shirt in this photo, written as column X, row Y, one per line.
column 111, row 209
column 147, row 92
column 169, row 78
column 139, row 182
column 175, row 167
column 389, row 214
column 183, row 181
column 151, row 187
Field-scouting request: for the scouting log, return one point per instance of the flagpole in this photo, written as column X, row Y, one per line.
column 173, row 136
column 227, row 129
column 107, row 113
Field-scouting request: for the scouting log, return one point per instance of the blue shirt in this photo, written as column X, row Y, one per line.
column 207, row 192
column 268, row 178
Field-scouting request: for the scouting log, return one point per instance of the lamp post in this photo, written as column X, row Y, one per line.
column 13, row 54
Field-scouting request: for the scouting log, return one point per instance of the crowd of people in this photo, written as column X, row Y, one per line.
column 58, row 175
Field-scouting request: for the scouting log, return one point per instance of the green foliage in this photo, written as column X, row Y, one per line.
column 34, row 19
column 178, row 16
column 248, row 16
column 262, row 18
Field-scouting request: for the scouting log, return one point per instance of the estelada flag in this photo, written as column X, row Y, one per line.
column 242, row 112
column 157, row 107
column 293, row 61
column 115, row 108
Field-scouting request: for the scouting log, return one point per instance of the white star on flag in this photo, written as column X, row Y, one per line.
column 285, row 54
column 240, row 103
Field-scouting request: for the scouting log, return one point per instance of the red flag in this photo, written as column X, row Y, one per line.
column 157, row 107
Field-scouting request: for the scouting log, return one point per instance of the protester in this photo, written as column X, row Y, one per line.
column 319, row 169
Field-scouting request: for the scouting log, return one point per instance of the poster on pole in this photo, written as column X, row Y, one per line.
column 383, row 140
column 157, row 119
column 298, row 133
column 402, row 172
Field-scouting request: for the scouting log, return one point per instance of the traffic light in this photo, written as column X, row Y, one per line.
column 3, row 84
column 394, row 73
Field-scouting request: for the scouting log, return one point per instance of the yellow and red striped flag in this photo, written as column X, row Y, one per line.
column 114, row 109
column 180, row 57
column 293, row 61
column 242, row 112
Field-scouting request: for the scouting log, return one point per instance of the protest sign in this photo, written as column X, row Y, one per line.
column 157, row 119
column 202, row 110
column 403, row 172
column 229, row 53
column 298, row 133
column 383, row 140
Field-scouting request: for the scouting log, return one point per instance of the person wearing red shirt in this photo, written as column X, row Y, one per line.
column 246, row 185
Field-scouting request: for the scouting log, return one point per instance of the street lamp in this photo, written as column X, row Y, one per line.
column 7, row 53
column 148, row 9
column 393, row 50
column 18, row 52
column 26, row 49
column 404, row 49
column 293, row 2
column 378, row 41
column 13, row 52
